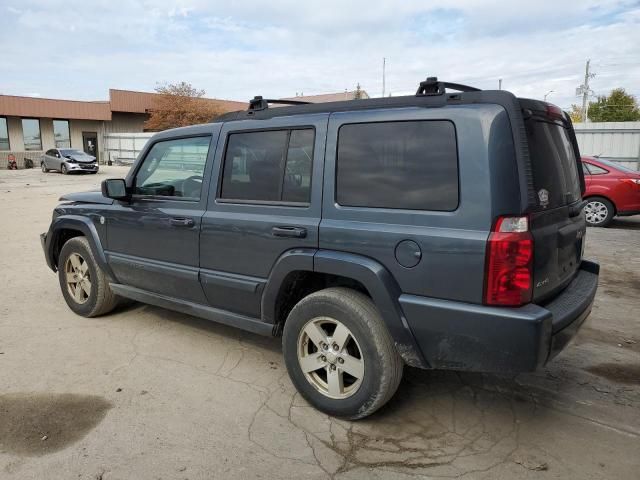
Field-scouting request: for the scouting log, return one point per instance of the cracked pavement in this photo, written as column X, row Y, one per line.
column 147, row 393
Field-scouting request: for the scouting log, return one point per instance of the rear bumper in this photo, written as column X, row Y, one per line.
column 463, row 336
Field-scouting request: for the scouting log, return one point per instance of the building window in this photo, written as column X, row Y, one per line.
column 61, row 134
column 4, row 134
column 405, row 165
column 31, row 134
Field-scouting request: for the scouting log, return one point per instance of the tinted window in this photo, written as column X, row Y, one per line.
column 268, row 166
column 174, row 168
column 297, row 178
column 4, row 134
column 61, row 133
column 51, row 153
column 31, row 134
column 555, row 167
column 408, row 165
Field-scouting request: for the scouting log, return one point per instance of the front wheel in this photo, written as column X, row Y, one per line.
column 83, row 283
column 339, row 354
column 598, row 212
column 63, row 169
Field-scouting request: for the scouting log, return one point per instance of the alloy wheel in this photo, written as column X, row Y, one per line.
column 330, row 357
column 596, row 212
column 78, row 278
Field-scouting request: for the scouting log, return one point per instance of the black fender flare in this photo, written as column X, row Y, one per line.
column 83, row 225
column 383, row 288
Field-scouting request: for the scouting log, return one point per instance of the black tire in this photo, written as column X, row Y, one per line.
column 101, row 298
column 44, row 168
column 382, row 363
column 603, row 218
column 63, row 169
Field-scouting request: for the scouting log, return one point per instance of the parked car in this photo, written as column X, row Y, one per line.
column 67, row 160
column 441, row 231
column 612, row 190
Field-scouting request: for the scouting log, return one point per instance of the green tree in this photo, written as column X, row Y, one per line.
column 618, row 106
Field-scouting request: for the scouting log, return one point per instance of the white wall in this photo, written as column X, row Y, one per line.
column 618, row 141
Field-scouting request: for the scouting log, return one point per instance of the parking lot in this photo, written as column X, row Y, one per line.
column 146, row 393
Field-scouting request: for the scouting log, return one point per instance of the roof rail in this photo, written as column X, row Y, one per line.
column 259, row 103
column 431, row 86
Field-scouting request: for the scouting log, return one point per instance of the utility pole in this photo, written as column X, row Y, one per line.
column 500, row 84
column 585, row 91
column 384, row 67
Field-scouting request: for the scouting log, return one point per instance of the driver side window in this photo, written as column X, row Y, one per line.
column 174, row 168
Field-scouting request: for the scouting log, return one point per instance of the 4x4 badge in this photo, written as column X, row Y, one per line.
column 543, row 195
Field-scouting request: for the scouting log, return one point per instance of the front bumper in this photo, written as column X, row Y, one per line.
column 82, row 167
column 463, row 336
column 45, row 241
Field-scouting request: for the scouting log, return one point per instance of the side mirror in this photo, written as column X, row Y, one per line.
column 115, row 188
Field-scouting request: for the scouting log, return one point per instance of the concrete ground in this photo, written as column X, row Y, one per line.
column 146, row 393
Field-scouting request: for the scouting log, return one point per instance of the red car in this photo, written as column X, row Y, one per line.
column 611, row 190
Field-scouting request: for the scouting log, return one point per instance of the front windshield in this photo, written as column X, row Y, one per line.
column 70, row 151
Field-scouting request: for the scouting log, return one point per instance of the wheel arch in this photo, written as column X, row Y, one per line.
column 68, row 226
column 300, row 272
column 599, row 195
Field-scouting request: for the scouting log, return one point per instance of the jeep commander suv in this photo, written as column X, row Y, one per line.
column 443, row 230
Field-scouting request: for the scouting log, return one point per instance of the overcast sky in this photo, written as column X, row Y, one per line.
column 79, row 49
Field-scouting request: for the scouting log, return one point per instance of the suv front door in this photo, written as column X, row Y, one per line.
column 152, row 241
column 265, row 201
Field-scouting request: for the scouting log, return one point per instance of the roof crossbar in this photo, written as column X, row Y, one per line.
column 431, row 86
column 259, row 103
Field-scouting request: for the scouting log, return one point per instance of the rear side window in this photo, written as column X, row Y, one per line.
column 404, row 165
column 554, row 164
column 269, row 166
column 594, row 169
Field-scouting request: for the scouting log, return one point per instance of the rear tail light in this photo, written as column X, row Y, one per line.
column 509, row 263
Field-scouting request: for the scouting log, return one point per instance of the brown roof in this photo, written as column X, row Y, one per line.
column 329, row 97
column 142, row 102
column 120, row 101
column 50, row 108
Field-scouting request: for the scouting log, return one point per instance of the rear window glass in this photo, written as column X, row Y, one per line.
column 403, row 165
column 555, row 168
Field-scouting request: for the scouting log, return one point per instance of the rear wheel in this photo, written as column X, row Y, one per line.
column 84, row 285
column 44, row 167
column 63, row 169
column 339, row 353
column 599, row 212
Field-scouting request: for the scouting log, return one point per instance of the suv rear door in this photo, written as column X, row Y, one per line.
column 264, row 201
column 557, row 222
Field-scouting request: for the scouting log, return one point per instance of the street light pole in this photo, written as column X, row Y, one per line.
column 547, row 94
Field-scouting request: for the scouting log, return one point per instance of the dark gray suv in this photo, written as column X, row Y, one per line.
column 443, row 230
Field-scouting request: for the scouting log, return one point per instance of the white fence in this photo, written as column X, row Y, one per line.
column 617, row 141
column 123, row 148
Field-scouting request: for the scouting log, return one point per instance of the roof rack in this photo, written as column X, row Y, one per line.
column 258, row 103
column 431, row 86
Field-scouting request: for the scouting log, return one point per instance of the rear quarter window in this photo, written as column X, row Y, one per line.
column 401, row 165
